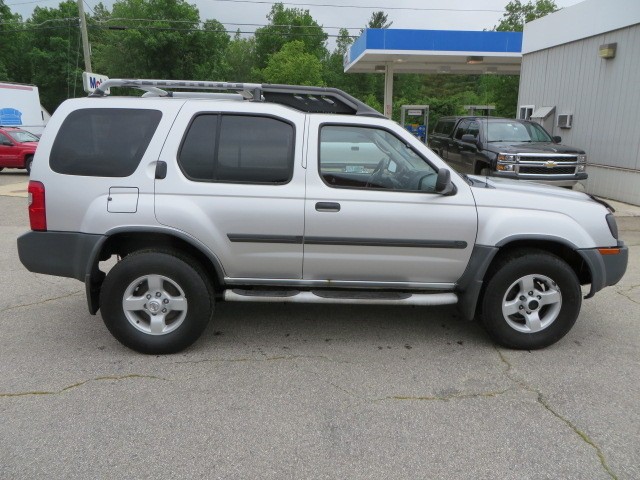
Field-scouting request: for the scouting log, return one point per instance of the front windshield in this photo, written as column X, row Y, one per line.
column 513, row 131
column 22, row 136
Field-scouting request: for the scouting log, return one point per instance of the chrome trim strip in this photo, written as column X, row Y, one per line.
column 310, row 297
column 545, row 154
column 288, row 282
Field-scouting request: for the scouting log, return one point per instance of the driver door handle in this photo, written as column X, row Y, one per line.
column 327, row 207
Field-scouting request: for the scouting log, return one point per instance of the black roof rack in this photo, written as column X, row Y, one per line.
column 306, row 99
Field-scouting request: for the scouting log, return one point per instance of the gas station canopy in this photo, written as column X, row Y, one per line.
column 435, row 51
column 390, row 51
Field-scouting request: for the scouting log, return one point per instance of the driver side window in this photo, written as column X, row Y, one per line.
column 371, row 158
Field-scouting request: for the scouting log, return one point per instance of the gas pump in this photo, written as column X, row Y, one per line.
column 415, row 118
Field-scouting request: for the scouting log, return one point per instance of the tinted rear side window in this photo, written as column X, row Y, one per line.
column 198, row 148
column 103, row 142
column 238, row 148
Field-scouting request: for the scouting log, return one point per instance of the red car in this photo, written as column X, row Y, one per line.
column 17, row 148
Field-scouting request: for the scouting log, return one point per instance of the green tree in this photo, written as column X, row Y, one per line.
column 504, row 89
column 53, row 53
column 161, row 39
column 11, row 36
column 293, row 65
column 241, row 59
column 518, row 13
column 379, row 20
column 287, row 25
column 210, row 52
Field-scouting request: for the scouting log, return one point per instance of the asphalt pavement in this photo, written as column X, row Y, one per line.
column 279, row 391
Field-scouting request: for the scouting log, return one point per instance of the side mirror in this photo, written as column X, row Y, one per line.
column 557, row 139
column 468, row 138
column 444, row 186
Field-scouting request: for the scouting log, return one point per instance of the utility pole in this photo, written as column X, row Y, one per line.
column 85, row 37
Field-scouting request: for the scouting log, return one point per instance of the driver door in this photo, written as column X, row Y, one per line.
column 370, row 219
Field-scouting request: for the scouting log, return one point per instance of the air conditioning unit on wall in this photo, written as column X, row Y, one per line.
column 565, row 120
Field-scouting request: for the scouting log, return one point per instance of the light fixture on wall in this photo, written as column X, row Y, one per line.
column 474, row 60
column 608, row 50
column 380, row 68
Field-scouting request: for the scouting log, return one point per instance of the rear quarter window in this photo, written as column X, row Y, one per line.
column 103, row 142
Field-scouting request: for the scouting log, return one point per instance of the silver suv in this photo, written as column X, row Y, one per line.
column 276, row 193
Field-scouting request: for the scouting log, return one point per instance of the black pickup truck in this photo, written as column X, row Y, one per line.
column 508, row 148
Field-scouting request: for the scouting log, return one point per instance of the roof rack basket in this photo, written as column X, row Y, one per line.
column 303, row 98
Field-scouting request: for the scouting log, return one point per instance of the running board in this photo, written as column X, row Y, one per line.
column 344, row 297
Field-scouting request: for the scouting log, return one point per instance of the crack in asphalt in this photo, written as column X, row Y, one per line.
column 580, row 433
column 453, row 396
column 542, row 401
column 79, row 384
column 627, row 292
column 328, row 382
column 40, row 301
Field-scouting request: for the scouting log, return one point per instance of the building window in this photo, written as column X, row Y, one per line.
column 526, row 111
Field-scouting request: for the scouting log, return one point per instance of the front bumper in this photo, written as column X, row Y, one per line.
column 606, row 270
column 557, row 180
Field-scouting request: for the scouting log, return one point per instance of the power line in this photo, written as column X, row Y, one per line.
column 88, row 6
column 203, row 22
column 26, row 3
column 381, row 7
column 170, row 29
column 332, row 5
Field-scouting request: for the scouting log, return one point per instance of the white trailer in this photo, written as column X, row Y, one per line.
column 20, row 107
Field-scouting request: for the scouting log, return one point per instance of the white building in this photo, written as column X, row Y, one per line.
column 580, row 78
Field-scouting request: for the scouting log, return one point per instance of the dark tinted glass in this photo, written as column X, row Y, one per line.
column 254, row 150
column 198, row 149
column 473, row 129
column 444, row 126
column 462, row 127
column 103, row 142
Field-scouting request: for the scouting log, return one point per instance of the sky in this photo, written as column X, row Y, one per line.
column 334, row 14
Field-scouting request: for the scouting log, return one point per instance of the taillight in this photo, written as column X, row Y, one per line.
column 37, row 207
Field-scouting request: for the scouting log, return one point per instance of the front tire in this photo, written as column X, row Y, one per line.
column 156, row 302
column 531, row 300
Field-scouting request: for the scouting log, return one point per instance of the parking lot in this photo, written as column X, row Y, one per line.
column 311, row 391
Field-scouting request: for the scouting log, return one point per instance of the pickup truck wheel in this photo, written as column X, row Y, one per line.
column 156, row 302
column 531, row 301
column 27, row 163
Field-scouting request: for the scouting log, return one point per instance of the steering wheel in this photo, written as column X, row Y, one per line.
column 377, row 172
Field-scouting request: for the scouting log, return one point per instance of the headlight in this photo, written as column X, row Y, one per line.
column 505, row 157
column 505, row 167
column 582, row 158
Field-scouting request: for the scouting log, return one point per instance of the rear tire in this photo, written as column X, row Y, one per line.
column 531, row 300
column 156, row 302
column 27, row 164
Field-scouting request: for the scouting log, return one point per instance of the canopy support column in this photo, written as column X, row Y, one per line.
column 388, row 90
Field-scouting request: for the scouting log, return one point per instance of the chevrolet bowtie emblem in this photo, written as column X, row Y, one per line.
column 550, row 164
